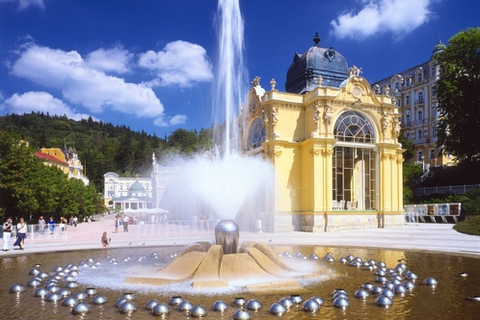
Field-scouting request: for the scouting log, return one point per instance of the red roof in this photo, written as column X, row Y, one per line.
column 50, row 158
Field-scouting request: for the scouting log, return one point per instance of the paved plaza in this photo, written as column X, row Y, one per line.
column 412, row 236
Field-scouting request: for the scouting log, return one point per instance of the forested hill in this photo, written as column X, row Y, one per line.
column 104, row 147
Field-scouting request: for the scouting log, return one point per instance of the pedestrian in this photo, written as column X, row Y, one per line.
column 116, row 223
column 75, row 221
column 51, row 224
column 7, row 233
column 63, row 223
column 125, row 223
column 21, row 234
column 41, row 225
column 105, row 240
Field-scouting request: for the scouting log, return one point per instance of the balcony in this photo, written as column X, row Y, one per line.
column 420, row 102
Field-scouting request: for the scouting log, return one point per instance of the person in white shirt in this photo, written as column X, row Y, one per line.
column 125, row 223
column 21, row 234
column 7, row 233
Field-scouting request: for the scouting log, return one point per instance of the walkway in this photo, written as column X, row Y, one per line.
column 421, row 236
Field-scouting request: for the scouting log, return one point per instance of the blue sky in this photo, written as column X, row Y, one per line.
column 151, row 64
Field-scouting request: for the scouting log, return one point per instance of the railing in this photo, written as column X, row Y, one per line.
column 460, row 189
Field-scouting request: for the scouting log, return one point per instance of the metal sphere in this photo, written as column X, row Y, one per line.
column 314, row 256
column 395, row 282
column 253, row 305
column 151, row 303
column 462, row 274
column 317, row 300
column 127, row 307
column 58, row 269
column 409, row 285
column 198, row 311
column 64, row 292
column 388, row 293
column 376, row 290
column 430, row 282
column 185, row 306
column 161, row 309
column 239, row 301
column 119, row 301
column 343, row 260
column 381, row 279
column 361, row 293
column 70, row 302
column 80, row 295
column 474, row 298
column 71, row 284
column 220, row 306
column 411, row 276
column 33, row 283
column 226, row 235
column 34, row 271
column 286, row 302
column 41, row 292
column 383, row 301
column 340, row 295
column 381, row 264
column 339, row 290
column 367, row 286
column 99, row 299
column 17, row 288
column 389, row 285
column 350, row 257
column 311, row 306
column 399, row 289
column 68, row 278
column 43, row 275
column 90, row 291
column 128, row 295
column 81, row 308
column 53, row 296
column 329, row 259
column 241, row 314
column 277, row 309
column 341, row 303
column 296, row 298
column 175, row 301
column 74, row 273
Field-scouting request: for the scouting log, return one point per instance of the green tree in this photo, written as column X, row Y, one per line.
column 458, row 95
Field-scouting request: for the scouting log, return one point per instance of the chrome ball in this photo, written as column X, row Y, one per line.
column 296, row 298
column 74, row 273
column 17, row 288
column 175, row 301
column 381, row 279
column 64, row 292
column 376, row 290
column 341, row 303
column 253, row 305
column 151, row 303
column 81, row 308
column 383, row 301
column 43, row 275
column 343, row 260
column 99, row 299
column 53, row 296
column 389, row 285
column 462, row 274
column 339, row 291
column 430, row 282
column 128, row 295
column 34, row 271
column 58, row 269
column 286, row 302
column 239, row 302
column 185, row 306
column 80, row 295
column 68, row 278
column 314, row 256
column 277, row 309
column 387, row 293
column 119, row 301
column 161, row 309
column 90, row 291
column 226, row 235
column 399, row 289
column 70, row 302
column 317, row 300
column 409, row 285
column 381, row 264
column 33, row 283
column 41, row 292
column 71, row 284
column 340, row 295
column 241, row 314
column 127, row 307
column 220, row 306
column 198, row 311
column 361, row 293
column 350, row 257
column 474, row 298
column 311, row 306
column 367, row 286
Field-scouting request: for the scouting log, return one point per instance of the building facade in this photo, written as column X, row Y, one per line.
column 67, row 160
column 413, row 92
column 333, row 143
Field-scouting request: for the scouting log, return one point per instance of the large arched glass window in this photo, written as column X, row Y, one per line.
column 257, row 134
column 354, row 163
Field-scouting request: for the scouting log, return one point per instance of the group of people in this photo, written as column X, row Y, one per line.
column 21, row 234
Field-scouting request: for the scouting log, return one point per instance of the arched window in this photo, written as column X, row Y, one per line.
column 420, row 97
column 257, row 134
column 354, row 163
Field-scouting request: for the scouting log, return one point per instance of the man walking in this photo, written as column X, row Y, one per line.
column 7, row 233
column 41, row 225
column 125, row 223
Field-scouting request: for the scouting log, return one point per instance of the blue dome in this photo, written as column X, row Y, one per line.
column 136, row 187
column 305, row 69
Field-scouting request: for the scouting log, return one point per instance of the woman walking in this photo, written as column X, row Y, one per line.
column 21, row 234
column 7, row 233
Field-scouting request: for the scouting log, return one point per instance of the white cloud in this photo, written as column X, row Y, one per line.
column 41, row 102
column 24, row 4
column 83, row 85
column 398, row 17
column 110, row 60
column 175, row 120
column 179, row 63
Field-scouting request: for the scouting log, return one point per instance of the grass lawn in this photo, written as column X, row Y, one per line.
column 470, row 225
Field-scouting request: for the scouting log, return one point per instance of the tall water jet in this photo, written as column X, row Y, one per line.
column 231, row 73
